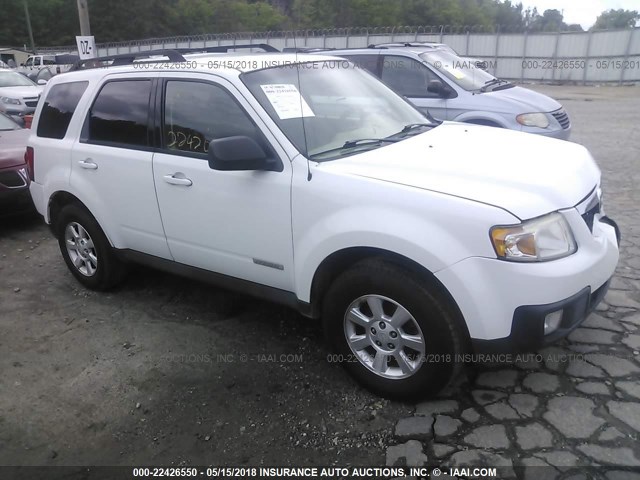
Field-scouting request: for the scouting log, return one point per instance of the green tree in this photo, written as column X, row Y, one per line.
column 550, row 21
column 616, row 19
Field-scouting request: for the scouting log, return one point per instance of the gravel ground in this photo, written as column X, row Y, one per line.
column 168, row 371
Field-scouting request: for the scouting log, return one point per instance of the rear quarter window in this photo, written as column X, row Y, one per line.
column 119, row 115
column 58, row 109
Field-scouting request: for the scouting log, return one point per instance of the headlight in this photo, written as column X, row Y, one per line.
column 10, row 101
column 544, row 238
column 533, row 120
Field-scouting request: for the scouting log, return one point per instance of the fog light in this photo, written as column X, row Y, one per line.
column 552, row 321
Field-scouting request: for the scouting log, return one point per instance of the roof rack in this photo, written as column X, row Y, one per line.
column 225, row 48
column 306, row 49
column 403, row 44
column 174, row 55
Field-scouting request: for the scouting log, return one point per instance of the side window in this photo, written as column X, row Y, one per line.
column 119, row 115
column 196, row 113
column 58, row 109
column 406, row 76
column 29, row 62
column 36, row 61
column 48, row 61
column 367, row 62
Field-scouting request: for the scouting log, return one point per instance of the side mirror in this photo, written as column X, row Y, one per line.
column 436, row 86
column 22, row 64
column 42, row 81
column 238, row 153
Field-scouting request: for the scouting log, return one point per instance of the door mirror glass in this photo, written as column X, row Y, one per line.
column 435, row 86
column 237, row 153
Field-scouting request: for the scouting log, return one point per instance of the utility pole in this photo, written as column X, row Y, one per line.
column 83, row 14
column 26, row 12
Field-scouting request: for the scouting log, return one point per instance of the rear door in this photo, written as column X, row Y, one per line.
column 111, row 165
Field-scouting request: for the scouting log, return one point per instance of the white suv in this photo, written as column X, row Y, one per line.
column 304, row 180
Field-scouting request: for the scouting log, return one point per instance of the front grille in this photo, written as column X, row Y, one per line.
column 562, row 118
column 12, row 179
column 31, row 104
column 590, row 214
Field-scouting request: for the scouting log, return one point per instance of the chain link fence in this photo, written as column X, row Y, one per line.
column 605, row 56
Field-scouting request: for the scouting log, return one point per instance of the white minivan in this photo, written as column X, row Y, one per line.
column 304, row 180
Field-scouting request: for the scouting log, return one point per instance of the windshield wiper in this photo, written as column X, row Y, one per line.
column 491, row 82
column 366, row 141
column 413, row 126
column 361, row 142
column 407, row 129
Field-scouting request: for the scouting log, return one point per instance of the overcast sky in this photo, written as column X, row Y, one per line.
column 583, row 12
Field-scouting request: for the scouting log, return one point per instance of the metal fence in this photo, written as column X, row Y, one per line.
column 607, row 56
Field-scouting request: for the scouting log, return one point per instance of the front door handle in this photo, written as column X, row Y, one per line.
column 178, row 179
column 88, row 164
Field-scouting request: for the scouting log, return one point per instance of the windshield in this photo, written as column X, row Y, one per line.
column 7, row 124
column 14, row 79
column 461, row 71
column 329, row 109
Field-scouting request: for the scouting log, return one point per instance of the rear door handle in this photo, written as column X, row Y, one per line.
column 173, row 179
column 88, row 164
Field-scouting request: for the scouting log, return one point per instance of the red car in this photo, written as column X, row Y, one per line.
column 14, row 172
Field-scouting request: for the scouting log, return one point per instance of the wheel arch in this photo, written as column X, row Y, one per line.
column 59, row 200
column 340, row 261
column 487, row 122
column 483, row 118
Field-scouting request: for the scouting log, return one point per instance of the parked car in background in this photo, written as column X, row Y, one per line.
column 41, row 77
column 61, row 62
column 14, row 176
column 449, row 88
column 18, row 94
column 476, row 62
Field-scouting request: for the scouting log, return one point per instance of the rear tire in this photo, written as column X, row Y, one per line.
column 86, row 250
column 391, row 331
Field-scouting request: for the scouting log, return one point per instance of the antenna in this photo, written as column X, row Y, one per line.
column 304, row 130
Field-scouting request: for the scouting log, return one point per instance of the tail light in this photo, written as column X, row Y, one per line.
column 29, row 160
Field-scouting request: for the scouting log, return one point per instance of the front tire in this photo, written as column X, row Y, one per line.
column 86, row 250
column 392, row 332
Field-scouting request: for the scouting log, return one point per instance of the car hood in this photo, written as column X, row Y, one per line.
column 21, row 92
column 521, row 99
column 528, row 175
column 13, row 144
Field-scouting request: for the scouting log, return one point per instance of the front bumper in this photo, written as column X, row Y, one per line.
column 505, row 303
column 527, row 331
column 14, row 190
column 13, row 202
column 560, row 133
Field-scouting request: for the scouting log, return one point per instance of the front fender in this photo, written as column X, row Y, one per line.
column 429, row 243
column 480, row 116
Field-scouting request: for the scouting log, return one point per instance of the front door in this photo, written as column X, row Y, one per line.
column 410, row 78
column 237, row 223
